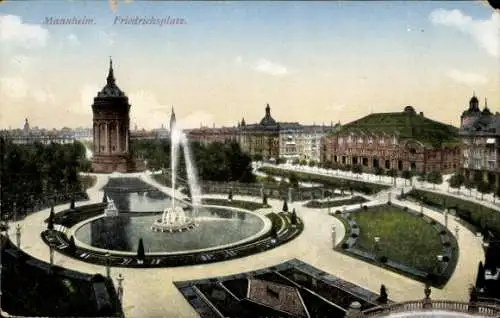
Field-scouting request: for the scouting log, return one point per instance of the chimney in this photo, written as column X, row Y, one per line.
column 422, row 114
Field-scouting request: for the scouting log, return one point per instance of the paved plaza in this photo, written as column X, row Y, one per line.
column 151, row 292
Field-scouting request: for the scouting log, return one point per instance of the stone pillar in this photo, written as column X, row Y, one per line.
column 354, row 311
column 126, row 140
column 427, row 303
column 106, row 138
column 117, row 137
column 18, row 235
column 98, row 137
column 445, row 218
column 290, row 195
column 334, row 237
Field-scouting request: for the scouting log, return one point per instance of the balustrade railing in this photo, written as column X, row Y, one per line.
column 478, row 308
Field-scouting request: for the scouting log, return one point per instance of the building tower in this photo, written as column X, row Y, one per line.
column 26, row 127
column 111, row 122
column 172, row 119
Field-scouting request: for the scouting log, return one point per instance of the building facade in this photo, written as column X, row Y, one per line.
column 400, row 140
column 28, row 135
column 111, row 134
column 268, row 139
column 480, row 136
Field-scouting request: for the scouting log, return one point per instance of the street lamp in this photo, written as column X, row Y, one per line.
column 108, row 269
column 440, row 263
column 334, row 236
column 120, row 287
column 375, row 246
column 18, row 235
column 51, row 256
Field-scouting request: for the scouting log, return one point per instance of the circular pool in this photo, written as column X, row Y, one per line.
column 218, row 227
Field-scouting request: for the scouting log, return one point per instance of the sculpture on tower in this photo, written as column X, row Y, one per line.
column 111, row 135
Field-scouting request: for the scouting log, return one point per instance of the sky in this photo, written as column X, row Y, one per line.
column 314, row 62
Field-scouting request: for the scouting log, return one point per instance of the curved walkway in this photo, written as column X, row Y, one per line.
column 151, row 293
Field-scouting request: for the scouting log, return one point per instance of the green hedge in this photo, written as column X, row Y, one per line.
column 478, row 215
column 358, row 186
column 335, row 203
column 246, row 205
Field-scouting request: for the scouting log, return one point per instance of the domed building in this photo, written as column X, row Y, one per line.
column 480, row 135
column 398, row 141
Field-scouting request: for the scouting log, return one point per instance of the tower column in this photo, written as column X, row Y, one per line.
column 106, row 138
column 117, row 137
column 126, row 139
column 98, row 137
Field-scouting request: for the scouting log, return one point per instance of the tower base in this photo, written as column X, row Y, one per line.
column 116, row 163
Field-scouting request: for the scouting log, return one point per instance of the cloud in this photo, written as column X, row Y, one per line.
column 43, row 96
column 238, row 60
column 22, row 62
column 73, row 40
column 107, row 38
column 467, row 78
column 268, row 67
column 336, row 107
column 485, row 32
column 14, row 31
column 14, row 88
column 194, row 119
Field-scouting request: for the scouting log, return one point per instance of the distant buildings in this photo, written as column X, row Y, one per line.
column 29, row 135
column 480, row 135
column 268, row 139
column 399, row 140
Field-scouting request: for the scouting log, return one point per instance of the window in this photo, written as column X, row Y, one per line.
column 370, row 140
column 341, row 140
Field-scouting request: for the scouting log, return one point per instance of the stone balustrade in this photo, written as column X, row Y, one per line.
column 477, row 309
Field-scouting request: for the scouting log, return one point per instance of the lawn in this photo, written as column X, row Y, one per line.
column 335, row 203
column 404, row 237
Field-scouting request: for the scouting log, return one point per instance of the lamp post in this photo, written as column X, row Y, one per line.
column 18, row 235
column 439, row 263
column 445, row 213
column 334, row 236
column 375, row 246
column 456, row 231
column 329, row 197
column 108, row 269
column 51, row 256
column 120, row 287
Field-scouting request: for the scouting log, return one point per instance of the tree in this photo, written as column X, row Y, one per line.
column 379, row 172
column 456, row 181
column 407, row 175
column 274, row 233
column 357, row 169
column 50, row 221
column 230, row 195
column 393, row 173
column 422, row 177
column 296, row 162
column 312, row 163
column 72, row 204
column 285, row 206
column 141, row 256
column 105, row 198
column 483, row 188
column 480, row 276
column 469, row 185
column 293, row 219
column 382, row 299
column 294, row 181
column 435, row 177
column 264, row 199
column 71, row 245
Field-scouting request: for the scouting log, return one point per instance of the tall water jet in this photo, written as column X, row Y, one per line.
column 174, row 218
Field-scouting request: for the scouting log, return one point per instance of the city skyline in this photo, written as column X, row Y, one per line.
column 313, row 63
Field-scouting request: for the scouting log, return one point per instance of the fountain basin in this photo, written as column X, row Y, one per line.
column 217, row 228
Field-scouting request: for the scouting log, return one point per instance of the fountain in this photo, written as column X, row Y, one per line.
column 174, row 218
column 111, row 209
